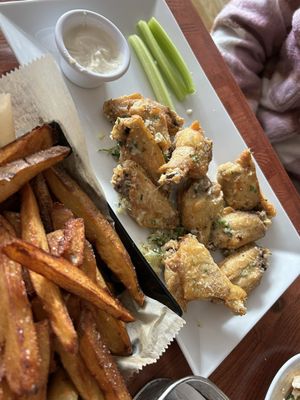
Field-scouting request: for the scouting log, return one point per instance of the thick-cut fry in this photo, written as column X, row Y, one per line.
column 98, row 229
column 49, row 294
column 65, row 275
column 74, row 240
column 21, row 354
column 43, row 336
column 112, row 330
column 97, row 358
column 14, row 219
column 56, row 242
column 5, row 391
column 60, row 215
column 15, row 174
column 81, row 377
column 61, row 388
column 38, row 139
column 44, row 200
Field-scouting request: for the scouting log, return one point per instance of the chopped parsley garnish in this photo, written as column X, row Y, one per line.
column 253, row 189
column 113, row 151
column 195, row 157
column 225, row 226
column 160, row 238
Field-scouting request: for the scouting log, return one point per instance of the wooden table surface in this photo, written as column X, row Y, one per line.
column 247, row 372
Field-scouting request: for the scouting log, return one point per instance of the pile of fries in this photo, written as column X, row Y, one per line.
column 60, row 323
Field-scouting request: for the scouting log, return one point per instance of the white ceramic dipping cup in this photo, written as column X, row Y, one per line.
column 75, row 72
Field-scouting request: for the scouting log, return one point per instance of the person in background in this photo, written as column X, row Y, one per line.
column 260, row 41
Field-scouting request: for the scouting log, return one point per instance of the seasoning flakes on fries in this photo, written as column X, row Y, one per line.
column 59, row 322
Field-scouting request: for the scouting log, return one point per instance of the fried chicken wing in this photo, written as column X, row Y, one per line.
column 240, row 185
column 200, row 276
column 200, row 205
column 138, row 144
column 148, row 206
column 159, row 119
column 237, row 228
column 246, row 266
column 190, row 158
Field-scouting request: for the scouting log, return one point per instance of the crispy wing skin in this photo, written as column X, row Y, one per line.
column 148, row 206
column 157, row 114
column 138, row 144
column 237, row 228
column 246, row 266
column 240, row 185
column 200, row 205
column 190, row 158
column 173, row 283
column 200, row 276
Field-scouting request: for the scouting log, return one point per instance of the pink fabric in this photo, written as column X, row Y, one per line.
column 260, row 41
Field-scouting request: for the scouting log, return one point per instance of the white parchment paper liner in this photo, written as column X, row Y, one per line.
column 39, row 95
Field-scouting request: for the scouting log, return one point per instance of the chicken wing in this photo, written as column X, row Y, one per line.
column 237, row 228
column 190, row 158
column 246, row 266
column 160, row 120
column 200, row 276
column 240, row 185
column 148, row 206
column 138, row 144
column 200, row 205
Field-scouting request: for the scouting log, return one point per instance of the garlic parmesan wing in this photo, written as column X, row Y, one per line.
column 246, row 266
column 158, row 118
column 147, row 205
column 200, row 276
column 190, row 158
column 200, row 205
column 237, row 228
column 138, row 144
column 240, row 185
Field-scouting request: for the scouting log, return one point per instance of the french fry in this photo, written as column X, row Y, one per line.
column 74, row 240
column 56, row 241
column 7, row 129
column 38, row 139
column 61, row 388
column 15, row 221
column 43, row 336
column 83, row 380
column 65, row 275
column 21, row 354
column 44, row 200
column 97, row 358
column 60, row 215
column 5, row 391
column 49, row 294
column 112, row 330
column 15, row 174
column 98, row 229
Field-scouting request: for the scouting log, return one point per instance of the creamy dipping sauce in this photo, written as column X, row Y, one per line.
column 92, row 48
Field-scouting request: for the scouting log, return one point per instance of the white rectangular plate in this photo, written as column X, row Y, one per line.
column 211, row 331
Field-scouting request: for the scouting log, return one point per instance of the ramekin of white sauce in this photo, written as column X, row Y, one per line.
column 92, row 49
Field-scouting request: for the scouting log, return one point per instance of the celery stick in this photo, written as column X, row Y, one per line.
column 170, row 49
column 166, row 67
column 151, row 70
